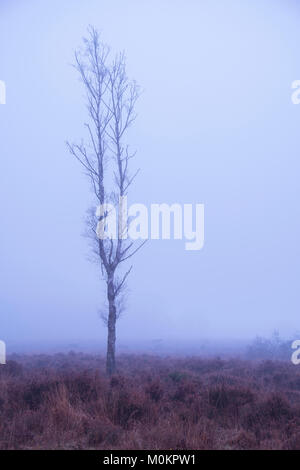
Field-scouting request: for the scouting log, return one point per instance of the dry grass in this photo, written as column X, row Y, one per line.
column 66, row 402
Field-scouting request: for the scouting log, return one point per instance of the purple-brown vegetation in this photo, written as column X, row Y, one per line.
column 67, row 402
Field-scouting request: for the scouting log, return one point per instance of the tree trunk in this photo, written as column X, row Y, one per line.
column 111, row 327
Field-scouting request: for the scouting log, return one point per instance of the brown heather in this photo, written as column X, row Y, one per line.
column 67, row 402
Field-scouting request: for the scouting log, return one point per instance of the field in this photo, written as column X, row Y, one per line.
column 64, row 401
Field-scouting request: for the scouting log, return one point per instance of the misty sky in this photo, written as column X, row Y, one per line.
column 216, row 125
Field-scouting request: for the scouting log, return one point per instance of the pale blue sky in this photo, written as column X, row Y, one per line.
column 216, row 126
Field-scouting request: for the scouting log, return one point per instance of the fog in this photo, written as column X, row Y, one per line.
column 216, row 125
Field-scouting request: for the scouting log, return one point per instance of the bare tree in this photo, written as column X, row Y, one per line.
column 105, row 157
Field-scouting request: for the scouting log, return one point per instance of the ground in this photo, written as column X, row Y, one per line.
column 65, row 401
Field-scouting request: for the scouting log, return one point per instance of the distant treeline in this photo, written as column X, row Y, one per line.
column 275, row 347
